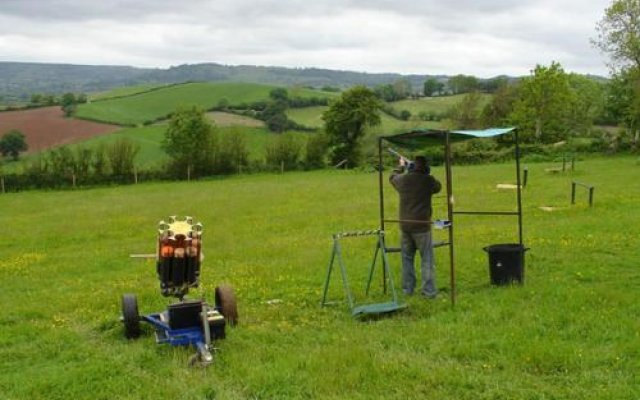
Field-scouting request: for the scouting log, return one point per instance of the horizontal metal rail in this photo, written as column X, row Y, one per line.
column 370, row 232
column 487, row 212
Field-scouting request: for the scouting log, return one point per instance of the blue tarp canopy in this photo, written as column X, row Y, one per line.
column 425, row 137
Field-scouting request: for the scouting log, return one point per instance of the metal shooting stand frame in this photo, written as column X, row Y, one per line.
column 422, row 138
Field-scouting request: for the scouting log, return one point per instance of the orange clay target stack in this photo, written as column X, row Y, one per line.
column 187, row 322
column 179, row 256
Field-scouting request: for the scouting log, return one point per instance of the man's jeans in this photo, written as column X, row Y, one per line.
column 410, row 242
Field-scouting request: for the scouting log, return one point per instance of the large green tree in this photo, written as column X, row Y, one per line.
column 587, row 103
column 467, row 112
column 432, row 86
column 498, row 111
column 189, row 140
column 619, row 38
column 463, row 84
column 346, row 121
column 619, row 33
column 542, row 112
column 12, row 144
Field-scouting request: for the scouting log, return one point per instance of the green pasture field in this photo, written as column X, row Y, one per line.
column 149, row 106
column 308, row 116
column 439, row 104
column 312, row 117
column 572, row 331
column 124, row 91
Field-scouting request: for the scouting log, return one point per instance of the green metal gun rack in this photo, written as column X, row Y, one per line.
column 380, row 252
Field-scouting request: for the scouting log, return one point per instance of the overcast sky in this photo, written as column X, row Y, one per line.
column 477, row 37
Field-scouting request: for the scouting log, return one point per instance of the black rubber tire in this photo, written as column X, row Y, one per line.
column 226, row 303
column 130, row 315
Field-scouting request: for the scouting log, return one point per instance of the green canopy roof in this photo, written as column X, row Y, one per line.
column 426, row 137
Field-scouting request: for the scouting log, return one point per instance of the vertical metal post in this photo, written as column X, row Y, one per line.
column 373, row 264
column 519, row 197
column 591, row 188
column 447, row 164
column 326, row 282
column 381, row 196
column 525, row 178
column 380, row 184
column 573, row 193
column 519, row 187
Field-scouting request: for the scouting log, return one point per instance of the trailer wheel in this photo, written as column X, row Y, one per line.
column 226, row 302
column 130, row 315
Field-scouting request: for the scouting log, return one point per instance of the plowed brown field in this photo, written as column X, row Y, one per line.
column 47, row 127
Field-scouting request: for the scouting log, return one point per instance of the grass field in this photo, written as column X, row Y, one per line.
column 438, row 105
column 124, row 91
column 572, row 331
column 150, row 141
column 312, row 117
column 148, row 106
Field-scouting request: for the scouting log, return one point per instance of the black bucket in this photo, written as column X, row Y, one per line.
column 506, row 263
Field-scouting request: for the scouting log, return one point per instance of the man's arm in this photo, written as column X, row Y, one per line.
column 395, row 175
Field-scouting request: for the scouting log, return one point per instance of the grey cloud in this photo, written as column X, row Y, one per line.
column 419, row 36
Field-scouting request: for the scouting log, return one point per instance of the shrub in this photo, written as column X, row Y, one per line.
column 316, row 151
column 284, row 151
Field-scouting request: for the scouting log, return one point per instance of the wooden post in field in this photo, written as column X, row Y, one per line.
column 573, row 193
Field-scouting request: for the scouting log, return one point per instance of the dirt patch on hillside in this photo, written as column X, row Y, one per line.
column 47, row 127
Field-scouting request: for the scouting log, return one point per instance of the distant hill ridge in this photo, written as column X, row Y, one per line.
column 18, row 81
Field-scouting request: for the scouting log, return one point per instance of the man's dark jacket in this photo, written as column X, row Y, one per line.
column 415, row 189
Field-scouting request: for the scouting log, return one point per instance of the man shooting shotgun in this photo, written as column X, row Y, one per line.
column 408, row 163
column 402, row 158
column 415, row 188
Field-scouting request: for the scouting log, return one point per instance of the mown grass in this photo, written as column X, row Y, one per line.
column 571, row 331
column 151, row 105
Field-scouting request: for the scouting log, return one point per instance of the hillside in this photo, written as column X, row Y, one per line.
column 149, row 106
column 18, row 81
